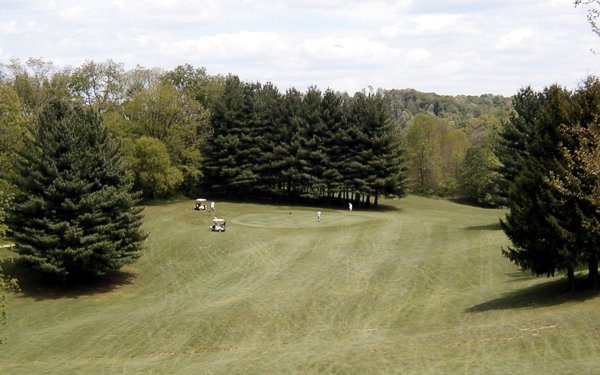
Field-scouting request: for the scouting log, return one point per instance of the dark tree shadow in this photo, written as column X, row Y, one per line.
column 492, row 226
column 35, row 285
column 550, row 293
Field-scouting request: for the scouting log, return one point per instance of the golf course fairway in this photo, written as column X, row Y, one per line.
column 415, row 286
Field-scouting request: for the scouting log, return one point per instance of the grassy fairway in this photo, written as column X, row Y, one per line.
column 420, row 287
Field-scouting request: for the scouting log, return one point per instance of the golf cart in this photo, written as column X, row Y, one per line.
column 218, row 225
column 200, row 204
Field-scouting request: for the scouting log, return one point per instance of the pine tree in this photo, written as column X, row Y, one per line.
column 74, row 217
column 230, row 165
column 579, row 186
column 287, row 153
column 267, row 133
column 537, row 216
column 313, row 154
column 335, row 143
column 387, row 166
column 514, row 137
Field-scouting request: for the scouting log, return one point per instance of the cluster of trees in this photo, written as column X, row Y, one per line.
column 405, row 104
column 161, row 119
column 446, row 160
column 184, row 131
column 550, row 180
column 318, row 145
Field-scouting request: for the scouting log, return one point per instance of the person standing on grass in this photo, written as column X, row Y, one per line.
column 319, row 216
column 212, row 206
column 350, row 206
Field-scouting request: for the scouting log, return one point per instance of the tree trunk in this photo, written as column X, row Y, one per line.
column 571, row 278
column 593, row 272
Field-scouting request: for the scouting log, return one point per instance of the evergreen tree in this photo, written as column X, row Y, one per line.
column 267, row 133
column 335, row 142
column 313, row 154
column 579, row 186
column 74, row 216
column 287, row 152
column 356, row 173
column 514, row 137
column 386, row 168
column 536, row 211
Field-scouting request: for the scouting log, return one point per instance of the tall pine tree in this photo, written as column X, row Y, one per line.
column 537, row 214
column 514, row 137
column 75, row 216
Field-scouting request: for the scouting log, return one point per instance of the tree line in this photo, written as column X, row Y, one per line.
column 184, row 131
column 293, row 145
column 175, row 125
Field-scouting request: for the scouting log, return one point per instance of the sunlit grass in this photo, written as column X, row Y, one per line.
column 420, row 287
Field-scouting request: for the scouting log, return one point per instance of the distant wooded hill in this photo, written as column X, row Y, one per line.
column 405, row 104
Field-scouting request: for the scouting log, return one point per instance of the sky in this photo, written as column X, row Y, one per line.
column 450, row 47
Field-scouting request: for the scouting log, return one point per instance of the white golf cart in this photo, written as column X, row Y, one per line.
column 218, row 225
column 200, row 204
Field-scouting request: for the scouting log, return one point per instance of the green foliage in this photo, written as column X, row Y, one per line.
column 478, row 176
column 155, row 175
column 30, row 82
column 99, row 85
column 178, row 121
column 553, row 221
column 578, row 186
column 13, row 130
column 195, row 83
column 405, row 104
column 376, row 156
column 435, row 152
column 74, row 215
column 538, row 244
column 7, row 284
column 230, row 165
column 5, row 205
column 316, row 145
column 514, row 137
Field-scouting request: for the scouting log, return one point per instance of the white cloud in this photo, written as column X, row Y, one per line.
column 75, row 12
column 233, row 45
column 435, row 22
column 516, row 38
column 418, row 55
column 454, row 46
column 357, row 49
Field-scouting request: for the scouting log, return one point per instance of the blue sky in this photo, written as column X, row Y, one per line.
column 449, row 47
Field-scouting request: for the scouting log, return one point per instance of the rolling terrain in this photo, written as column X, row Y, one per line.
column 416, row 286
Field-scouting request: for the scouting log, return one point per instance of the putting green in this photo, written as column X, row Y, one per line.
column 285, row 220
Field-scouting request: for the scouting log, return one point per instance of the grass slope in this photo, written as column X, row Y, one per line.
column 420, row 287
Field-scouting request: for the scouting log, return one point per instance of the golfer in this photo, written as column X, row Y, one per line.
column 319, row 216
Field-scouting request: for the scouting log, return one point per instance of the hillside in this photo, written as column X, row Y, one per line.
column 404, row 104
column 418, row 286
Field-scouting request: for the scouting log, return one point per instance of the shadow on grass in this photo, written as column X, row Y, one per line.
column 315, row 203
column 39, row 287
column 550, row 293
column 299, row 202
column 492, row 226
